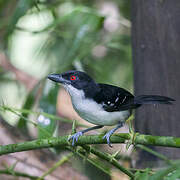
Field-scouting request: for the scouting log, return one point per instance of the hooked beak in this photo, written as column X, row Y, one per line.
column 57, row 78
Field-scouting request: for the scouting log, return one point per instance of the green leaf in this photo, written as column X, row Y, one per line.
column 173, row 175
column 22, row 7
column 47, row 104
column 142, row 176
column 167, row 172
column 72, row 36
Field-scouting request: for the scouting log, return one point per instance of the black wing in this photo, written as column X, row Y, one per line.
column 114, row 98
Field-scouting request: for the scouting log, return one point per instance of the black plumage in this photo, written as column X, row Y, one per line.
column 102, row 104
column 113, row 98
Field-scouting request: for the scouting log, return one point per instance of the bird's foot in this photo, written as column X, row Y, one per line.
column 75, row 137
column 109, row 133
column 107, row 137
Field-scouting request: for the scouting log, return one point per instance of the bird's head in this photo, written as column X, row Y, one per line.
column 76, row 79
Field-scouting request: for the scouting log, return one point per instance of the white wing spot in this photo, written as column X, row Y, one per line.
column 117, row 99
column 123, row 99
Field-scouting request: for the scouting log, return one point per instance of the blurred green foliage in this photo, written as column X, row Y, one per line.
column 44, row 36
column 47, row 104
column 70, row 35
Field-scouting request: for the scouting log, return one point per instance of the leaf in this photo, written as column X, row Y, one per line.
column 142, row 176
column 173, row 175
column 47, row 104
column 72, row 36
column 22, row 7
column 167, row 172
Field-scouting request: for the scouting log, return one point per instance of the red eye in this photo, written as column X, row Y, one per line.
column 73, row 78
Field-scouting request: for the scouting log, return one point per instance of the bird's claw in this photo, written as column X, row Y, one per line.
column 75, row 137
column 107, row 137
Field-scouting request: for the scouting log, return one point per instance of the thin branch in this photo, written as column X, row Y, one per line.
column 134, row 170
column 56, row 165
column 93, row 139
column 18, row 174
column 90, row 160
column 109, row 158
column 4, row 108
column 160, row 156
column 27, row 111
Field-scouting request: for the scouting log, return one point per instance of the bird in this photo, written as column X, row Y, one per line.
column 101, row 104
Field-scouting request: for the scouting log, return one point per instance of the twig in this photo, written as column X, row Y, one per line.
column 90, row 160
column 27, row 111
column 56, row 165
column 160, row 156
column 17, row 173
column 108, row 158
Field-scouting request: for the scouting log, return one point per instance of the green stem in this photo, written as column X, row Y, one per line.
column 18, row 174
column 27, row 111
column 90, row 160
column 160, row 156
column 134, row 170
column 109, row 159
column 93, row 139
column 56, row 165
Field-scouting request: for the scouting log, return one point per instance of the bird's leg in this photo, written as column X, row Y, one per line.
column 109, row 133
column 75, row 136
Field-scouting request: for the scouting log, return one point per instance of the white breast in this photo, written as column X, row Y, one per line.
column 93, row 112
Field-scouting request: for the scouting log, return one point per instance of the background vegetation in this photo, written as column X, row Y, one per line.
column 38, row 37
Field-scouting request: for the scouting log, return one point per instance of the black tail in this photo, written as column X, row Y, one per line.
column 152, row 99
